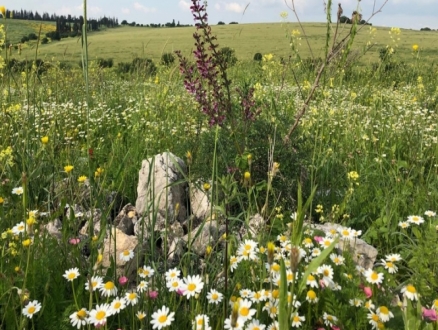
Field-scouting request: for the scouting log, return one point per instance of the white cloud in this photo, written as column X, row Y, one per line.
column 147, row 10
column 184, row 5
column 125, row 11
column 234, row 7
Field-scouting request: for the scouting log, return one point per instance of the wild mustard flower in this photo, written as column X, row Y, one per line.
column 82, row 179
column 68, row 168
column 3, row 11
column 415, row 47
column 27, row 242
column 1, row 200
column 45, row 140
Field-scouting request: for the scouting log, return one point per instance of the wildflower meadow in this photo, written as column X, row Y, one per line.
column 290, row 142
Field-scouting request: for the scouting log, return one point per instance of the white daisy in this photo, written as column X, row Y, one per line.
column 18, row 191
column 373, row 277
column 389, row 266
column 172, row 273
column 327, row 274
column 311, row 281
column 415, row 219
column 355, row 302
column 99, row 315
column 245, row 293
column 403, row 224
column 108, row 289
column 393, row 257
column 374, row 319
column 201, row 322
column 131, row 298
column 31, row 308
column 174, row 284
column 142, row 286
column 311, row 297
column 79, row 318
column 146, row 271
column 271, row 307
column 238, row 324
column 369, row 304
column 162, row 318
column 337, row 259
column 258, row 296
column 329, row 320
column 126, row 255
column 117, row 305
column 245, row 311
column 96, row 283
column 410, row 292
column 71, row 274
column 255, row 325
column 19, row 228
column 234, row 261
column 430, row 213
column 140, row 315
column 308, row 243
column 297, row 320
column 192, row 285
column 384, row 313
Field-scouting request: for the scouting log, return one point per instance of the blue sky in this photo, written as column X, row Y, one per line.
column 413, row 14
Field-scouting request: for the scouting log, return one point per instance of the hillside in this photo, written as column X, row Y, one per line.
column 126, row 43
column 16, row 28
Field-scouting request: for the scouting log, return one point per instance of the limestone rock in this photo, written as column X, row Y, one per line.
column 199, row 203
column 256, row 225
column 54, row 228
column 126, row 219
column 113, row 245
column 363, row 254
column 201, row 237
column 160, row 198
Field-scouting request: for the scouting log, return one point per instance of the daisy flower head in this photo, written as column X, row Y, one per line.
column 311, row 297
column 140, row 315
column 369, row 304
column 117, row 305
column 430, row 213
column 245, row 293
column 274, row 326
column 233, row 324
column 416, row 219
column 142, row 286
column 174, row 284
column 192, row 285
column 410, row 292
column 297, row 320
column 79, row 318
column 255, row 325
column 162, row 318
column 126, row 255
column 172, row 273
column 393, row 257
column 384, row 313
column 31, row 308
column 337, row 259
column 355, row 302
column 373, row 277
column 271, row 307
column 99, row 315
column 108, row 289
column 315, row 252
column 308, row 243
column 96, row 283
column 17, row 191
column 329, row 320
column 145, row 271
column 234, row 261
column 403, row 224
column 373, row 319
column 71, row 274
column 19, row 228
column 131, row 298
column 325, row 242
column 245, row 311
column 389, row 266
column 327, row 274
column 257, row 296
column 311, row 281
column 201, row 322
column 345, row 233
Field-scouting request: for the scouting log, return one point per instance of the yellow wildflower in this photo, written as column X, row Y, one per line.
column 44, row 139
column 3, row 11
column 68, row 168
column 82, row 179
column 415, row 47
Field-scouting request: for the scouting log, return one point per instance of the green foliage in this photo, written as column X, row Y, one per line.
column 167, row 59
column 228, row 55
column 258, row 57
column 105, row 63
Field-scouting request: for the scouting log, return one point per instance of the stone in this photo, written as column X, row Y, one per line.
column 126, row 219
column 113, row 245
column 97, row 216
column 54, row 228
column 256, row 224
column 363, row 254
column 203, row 236
column 200, row 205
column 161, row 196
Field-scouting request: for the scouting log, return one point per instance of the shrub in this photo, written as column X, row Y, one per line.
column 105, row 63
column 425, row 29
column 123, row 67
column 258, row 57
column 32, row 36
column 228, row 55
column 44, row 41
column 234, row 22
column 24, row 39
column 144, row 65
column 167, row 59
column 345, row 19
column 54, row 35
column 221, row 23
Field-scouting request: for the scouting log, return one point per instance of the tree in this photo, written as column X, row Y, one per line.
column 124, row 22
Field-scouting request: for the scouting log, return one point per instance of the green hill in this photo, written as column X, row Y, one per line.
column 16, row 28
column 126, row 43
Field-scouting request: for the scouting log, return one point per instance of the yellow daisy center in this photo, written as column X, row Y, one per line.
column 410, row 288
column 162, row 319
column 374, row 276
column 296, row 318
column 191, row 287
column 31, row 310
column 117, row 305
column 311, row 295
column 244, row 311
column 384, row 310
column 100, row 315
column 109, row 285
column 81, row 314
column 71, row 276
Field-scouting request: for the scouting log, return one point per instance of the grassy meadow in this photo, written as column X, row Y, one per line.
column 125, row 43
column 364, row 155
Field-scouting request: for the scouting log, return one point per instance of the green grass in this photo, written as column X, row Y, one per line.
column 17, row 28
column 125, row 43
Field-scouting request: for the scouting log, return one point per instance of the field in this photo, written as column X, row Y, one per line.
column 16, row 29
column 275, row 145
column 125, row 43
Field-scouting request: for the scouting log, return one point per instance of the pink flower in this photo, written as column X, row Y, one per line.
column 123, row 280
column 180, row 292
column 368, row 292
column 74, row 241
column 153, row 294
column 334, row 327
column 318, row 238
column 429, row 315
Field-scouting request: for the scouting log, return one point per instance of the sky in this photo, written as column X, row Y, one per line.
column 410, row 14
